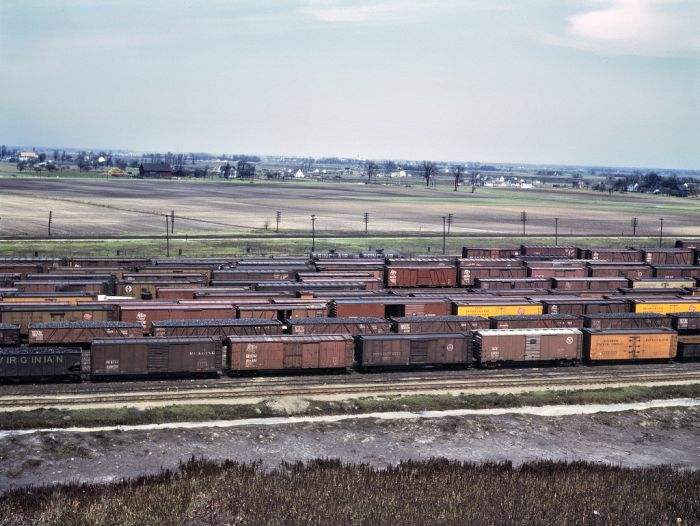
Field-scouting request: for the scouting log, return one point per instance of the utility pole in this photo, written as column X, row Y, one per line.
column 556, row 231
column 313, row 232
column 50, row 214
column 172, row 221
column 661, row 232
column 523, row 218
column 278, row 218
column 167, row 237
column 634, row 226
column 450, row 219
column 444, row 232
column 366, row 222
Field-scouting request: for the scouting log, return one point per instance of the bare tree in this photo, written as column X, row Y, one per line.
column 389, row 167
column 370, row 170
column 429, row 170
column 458, row 171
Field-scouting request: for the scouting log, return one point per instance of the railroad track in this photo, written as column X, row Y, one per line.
column 233, row 394
column 153, row 385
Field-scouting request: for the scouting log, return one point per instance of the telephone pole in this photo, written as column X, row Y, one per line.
column 167, row 237
column 172, row 221
column 635, row 221
column 450, row 219
column 444, row 233
column 278, row 218
column 661, row 232
column 523, row 218
column 556, row 231
column 366, row 222
column 313, row 232
column 50, row 214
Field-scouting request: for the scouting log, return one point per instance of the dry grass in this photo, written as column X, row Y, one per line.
column 327, row 492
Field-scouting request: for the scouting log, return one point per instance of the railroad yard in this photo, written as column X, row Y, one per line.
column 123, row 366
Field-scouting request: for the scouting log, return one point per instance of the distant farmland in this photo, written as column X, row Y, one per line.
column 92, row 207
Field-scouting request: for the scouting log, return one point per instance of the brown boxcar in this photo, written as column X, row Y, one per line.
column 282, row 353
column 145, row 314
column 581, row 306
column 559, row 251
column 64, row 285
column 19, row 268
column 495, row 347
column 613, row 254
column 9, row 334
column 620, row 271
column 217, row 328
column 686, row 322
column 283, row 311
column 629, row 344
column 148, row 288
column 388, row 307
column 25, row 313
column 45, row 263
column 517, row 283
column 254, row 274
column 668, row 256
column 49, row 297
column 556, row 272
column 589, row 283
column 490, row 252
column 488, row 262
column 81, row 332
column 155, row 356
column 130, row 263
column 687, row 243
column 676, row 271
column 688, row 347
column 352, row 326
column 418, row 324
column 626, row 320
column 413, row 350
column 468, row 275
column 536, row 321
column 421, row 276
column 40, row 362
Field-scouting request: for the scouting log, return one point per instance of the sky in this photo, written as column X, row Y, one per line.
column 586, row 82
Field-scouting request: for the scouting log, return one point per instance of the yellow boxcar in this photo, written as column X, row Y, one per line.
column 663, row 283
column 666, row 306
column 488, row 309
column 629, row 344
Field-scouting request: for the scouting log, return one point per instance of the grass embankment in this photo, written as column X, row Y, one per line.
column 269, row 245
column 61, row 418
column 327, row 492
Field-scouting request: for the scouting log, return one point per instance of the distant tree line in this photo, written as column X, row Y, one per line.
column 650, row 183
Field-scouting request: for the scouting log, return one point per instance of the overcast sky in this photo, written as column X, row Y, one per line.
column 604, row 82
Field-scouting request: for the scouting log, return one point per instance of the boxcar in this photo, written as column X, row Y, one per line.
column 217, row 328
column 513, row 284
column 668, row 256
column 81, row 332
column 626, row 320
column 676, row 271
column 9, row 334
column 283, row 311
column 40, row 362
column 600, row 345
column 486, row 309
column 24, row 313
column 438, row 275
column 666, row 306
column 469, row 275
column 640, row 271
column 351, row 326
column 490, row 252
column 64, row 285
column 437, row 324
column 413, row 350
column 689, row 347
column 145, row 314
column 686, row 322
column 663, row 283
column 495, row 347
column 581, row 306
column 285, row 353
column 155, row 356
column 536, row 321
column 534, row 271
column 558, row 251
column 613, row 254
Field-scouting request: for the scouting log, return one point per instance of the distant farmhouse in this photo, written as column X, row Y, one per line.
column 28, row 156
column 155, row 170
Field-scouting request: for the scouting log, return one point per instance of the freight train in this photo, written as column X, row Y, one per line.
column 489, row 307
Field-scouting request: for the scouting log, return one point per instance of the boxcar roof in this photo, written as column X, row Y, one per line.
column 232, row 322
column 85, row 325
column 301, row 338
column 8, row 351
column 526, row 332
column 327, row 320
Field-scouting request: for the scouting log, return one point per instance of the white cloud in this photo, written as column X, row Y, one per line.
column 635, row 27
